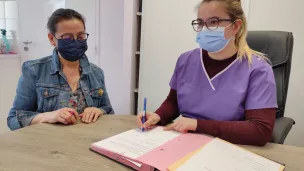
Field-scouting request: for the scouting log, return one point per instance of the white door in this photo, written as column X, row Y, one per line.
column 33, row 16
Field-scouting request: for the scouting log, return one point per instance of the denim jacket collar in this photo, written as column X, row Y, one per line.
column 56, row 66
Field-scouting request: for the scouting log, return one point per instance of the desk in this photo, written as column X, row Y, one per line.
column 46, row 147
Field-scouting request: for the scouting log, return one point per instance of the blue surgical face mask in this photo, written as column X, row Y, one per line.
column 213, row 41
column 71, row 51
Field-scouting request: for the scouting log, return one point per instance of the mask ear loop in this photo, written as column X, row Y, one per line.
column 233, row 37
column 55, row 46
column 229, row 40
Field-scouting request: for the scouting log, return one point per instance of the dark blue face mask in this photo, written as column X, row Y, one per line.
column 71, row 51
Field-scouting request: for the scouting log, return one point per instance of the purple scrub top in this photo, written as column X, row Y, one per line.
column 226, row 96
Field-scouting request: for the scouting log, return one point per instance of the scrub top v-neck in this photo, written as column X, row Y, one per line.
column 205, row 57
column 228, row 94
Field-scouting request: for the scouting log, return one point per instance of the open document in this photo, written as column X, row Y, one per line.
column 219, row 155
column 154, row 148
column 135, row 143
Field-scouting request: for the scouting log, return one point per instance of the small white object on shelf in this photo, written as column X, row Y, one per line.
column 136, row 90
column 139, row 13
column 9, row 56
column 137, row 53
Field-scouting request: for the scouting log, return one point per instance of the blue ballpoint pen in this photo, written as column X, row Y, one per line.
column 143, row 119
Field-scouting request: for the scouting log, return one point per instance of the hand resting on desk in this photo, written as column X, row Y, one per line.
column 68, row 116
column 91, row 114
column 183, row 125
column 65, row 116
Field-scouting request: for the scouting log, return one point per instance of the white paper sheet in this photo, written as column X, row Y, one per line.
column 137, row 164
column 219, row 155
column 135, row 143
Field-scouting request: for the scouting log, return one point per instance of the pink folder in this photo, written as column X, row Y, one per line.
column 163, row 156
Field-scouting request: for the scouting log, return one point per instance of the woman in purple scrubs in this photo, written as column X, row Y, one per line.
column 224, row 89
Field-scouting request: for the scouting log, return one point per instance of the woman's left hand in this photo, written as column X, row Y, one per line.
column 182, row 125
column 91, row 114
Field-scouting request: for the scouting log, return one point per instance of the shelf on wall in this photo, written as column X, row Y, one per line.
column 137, row 55
column 9, row 56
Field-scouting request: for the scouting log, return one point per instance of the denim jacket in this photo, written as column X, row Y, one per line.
column 42, row 87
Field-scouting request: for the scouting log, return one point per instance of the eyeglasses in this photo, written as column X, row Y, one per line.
column 211, row 24
column 69, row 38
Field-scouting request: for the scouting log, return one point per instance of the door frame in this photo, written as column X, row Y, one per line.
column 97, row 47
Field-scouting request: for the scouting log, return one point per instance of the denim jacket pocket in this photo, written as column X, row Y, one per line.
column 97, row 95
column 47, row 98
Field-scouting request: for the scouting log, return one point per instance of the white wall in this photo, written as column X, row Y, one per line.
column 286, row 16
column 116, row 42
column 166, row 33
column 9, row 74
column 129, row 61
column 111, row 47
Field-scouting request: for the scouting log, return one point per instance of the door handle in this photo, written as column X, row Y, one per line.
column 27, row 42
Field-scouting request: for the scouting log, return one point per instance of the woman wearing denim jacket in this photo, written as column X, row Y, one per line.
column 65, row 86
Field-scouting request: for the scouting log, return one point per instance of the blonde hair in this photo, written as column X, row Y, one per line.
column 235, row 11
